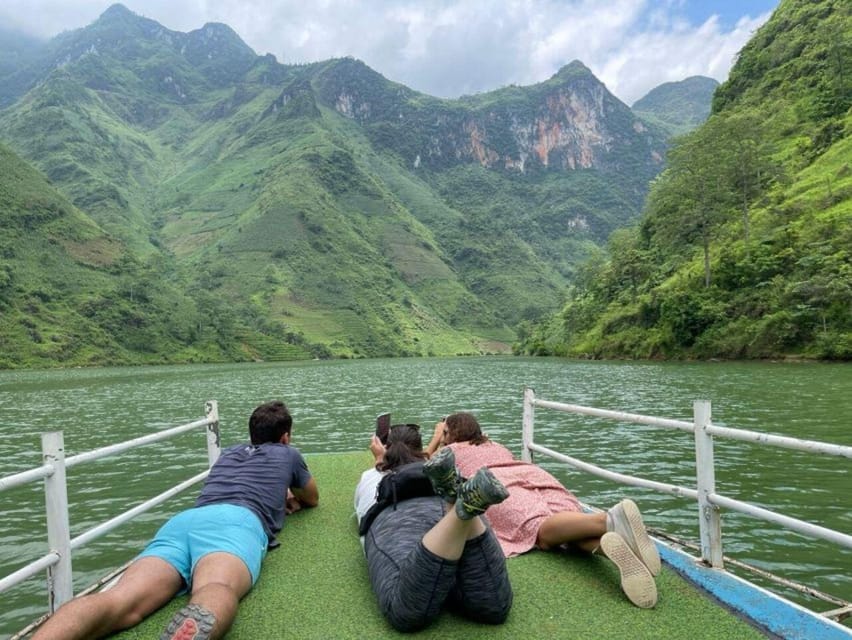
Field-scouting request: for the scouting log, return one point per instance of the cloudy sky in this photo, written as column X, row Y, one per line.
column 452, row 47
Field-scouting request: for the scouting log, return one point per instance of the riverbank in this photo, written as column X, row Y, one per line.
column 507, row 352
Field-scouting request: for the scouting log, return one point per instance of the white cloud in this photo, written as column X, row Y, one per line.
column 448, row 47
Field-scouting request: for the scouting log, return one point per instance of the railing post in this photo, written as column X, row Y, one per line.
column 709, row 520
column 211, row 408
column 60, row 584
column 528, row 418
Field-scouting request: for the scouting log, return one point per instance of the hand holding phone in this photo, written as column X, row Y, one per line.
column 383, row 424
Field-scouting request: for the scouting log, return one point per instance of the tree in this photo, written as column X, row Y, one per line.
column 691, row 200
column 630, row 263
column 747, row 156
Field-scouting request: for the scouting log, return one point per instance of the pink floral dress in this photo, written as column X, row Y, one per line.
column 534, row 494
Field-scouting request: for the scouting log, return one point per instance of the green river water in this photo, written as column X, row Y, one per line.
column 334, row 404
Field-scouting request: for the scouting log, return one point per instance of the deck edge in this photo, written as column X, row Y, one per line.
column 768, row 610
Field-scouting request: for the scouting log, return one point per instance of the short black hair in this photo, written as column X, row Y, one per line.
column 269, row 422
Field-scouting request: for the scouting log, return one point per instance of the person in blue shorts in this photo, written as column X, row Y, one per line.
column 213, row 550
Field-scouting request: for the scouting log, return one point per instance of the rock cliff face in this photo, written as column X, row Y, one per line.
column 568, row 123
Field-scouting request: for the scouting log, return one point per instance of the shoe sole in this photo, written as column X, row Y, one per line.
column 648, row 553
column 443, row 480
column 637, row 583
column 491, row 489
column 193, row 622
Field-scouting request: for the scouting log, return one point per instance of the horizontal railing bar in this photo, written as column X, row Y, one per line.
column 801, row 526
column 838, row 614
column 616, row 415
column 129, row 444
column 26, row 476
column 811, row 446
column 109, row 525
column 617, row 477
column 27, row 572
column 763, row 573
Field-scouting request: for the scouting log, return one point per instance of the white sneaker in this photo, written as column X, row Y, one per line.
column 625, row 520
column 636, row 581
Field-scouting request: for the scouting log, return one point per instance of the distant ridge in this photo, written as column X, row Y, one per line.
column 314, row 210
column 743, row 249
column 678, row 106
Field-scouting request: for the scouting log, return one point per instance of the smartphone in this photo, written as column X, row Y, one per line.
column 383, row 423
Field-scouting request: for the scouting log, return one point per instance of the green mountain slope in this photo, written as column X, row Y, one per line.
column 745, row 246
column 70, row 292
column 17, row 53
column 322, row 209
column 678, row 107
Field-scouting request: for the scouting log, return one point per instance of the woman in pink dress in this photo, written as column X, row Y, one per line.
column 541, row 513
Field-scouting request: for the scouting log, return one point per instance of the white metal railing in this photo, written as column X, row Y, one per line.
column 704, row 493
column 58, row 559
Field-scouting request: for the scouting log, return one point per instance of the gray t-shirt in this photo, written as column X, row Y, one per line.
column 256, row 477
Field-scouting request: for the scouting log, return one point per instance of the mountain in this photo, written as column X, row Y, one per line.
column 16, row 49
column 321, row 209
column 678, row 107
column 69, row 291
column 745, row 244
column 17, row 52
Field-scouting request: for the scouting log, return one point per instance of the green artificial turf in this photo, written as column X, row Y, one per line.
column 316, row 586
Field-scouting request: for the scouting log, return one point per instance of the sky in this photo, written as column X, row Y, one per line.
column 448, row 48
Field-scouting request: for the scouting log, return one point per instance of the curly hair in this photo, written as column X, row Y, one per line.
column 463, row 427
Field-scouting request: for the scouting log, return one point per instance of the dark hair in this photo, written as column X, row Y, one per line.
column 269, row 422
column 404, row 445
column 463, row 427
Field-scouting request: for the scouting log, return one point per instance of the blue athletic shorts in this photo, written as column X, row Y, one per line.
column 192, row 534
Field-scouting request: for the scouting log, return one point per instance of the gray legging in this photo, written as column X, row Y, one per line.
column 412, row 583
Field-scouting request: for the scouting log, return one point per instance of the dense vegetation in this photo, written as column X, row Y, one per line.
column 678, row 107
column 744, row 249
column 70, row 292
column 252, row 210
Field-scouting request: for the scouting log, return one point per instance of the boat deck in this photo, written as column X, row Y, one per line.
column 316, row 586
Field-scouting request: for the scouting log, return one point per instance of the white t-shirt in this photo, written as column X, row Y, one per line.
column 365, row 492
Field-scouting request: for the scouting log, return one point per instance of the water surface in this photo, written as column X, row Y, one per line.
column 334, row 404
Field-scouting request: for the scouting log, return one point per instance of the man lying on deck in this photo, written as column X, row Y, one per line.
column 213, row 550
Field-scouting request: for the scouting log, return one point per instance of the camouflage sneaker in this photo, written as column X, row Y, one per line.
column 193, row 622
column 637, row 583
column 478, row 493
column 625, row 520
column 442, row 473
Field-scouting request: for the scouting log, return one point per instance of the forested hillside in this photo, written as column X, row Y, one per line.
column 268, row 211
column 744, row 249
column 678, row 107
column 71, row 291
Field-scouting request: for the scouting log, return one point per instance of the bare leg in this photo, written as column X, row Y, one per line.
column 219, row 581
column 147, row 585
column 582, row 529
column 447, row 538
column 586, row 531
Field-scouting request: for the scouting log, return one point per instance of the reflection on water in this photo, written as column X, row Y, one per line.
column 335, row 403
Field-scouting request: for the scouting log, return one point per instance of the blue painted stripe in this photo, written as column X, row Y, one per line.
column 768, row 610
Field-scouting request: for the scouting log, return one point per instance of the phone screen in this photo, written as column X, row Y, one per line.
column 383, row 423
